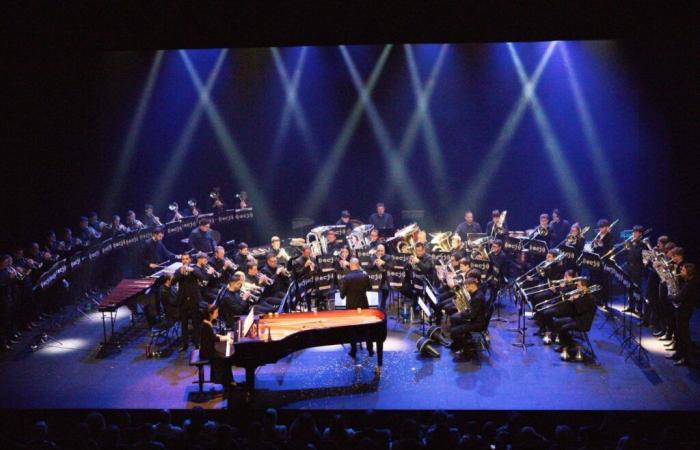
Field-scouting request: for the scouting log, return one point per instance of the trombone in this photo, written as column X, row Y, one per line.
column 625, row 245
column 549, row 284
column 566, row 297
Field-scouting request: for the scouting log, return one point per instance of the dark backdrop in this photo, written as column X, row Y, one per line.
column 68, row 114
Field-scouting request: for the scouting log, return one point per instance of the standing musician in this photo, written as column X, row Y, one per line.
column 132, row 223
column 201, row 239
column 189, row 296
column 472, row 319
column 676, row 256
column 150, row 219
column 192, row 209
column 602, row 244
column 583, row 314
column 381, row 261
column 374, row 239
column 354, row 290
column 381, row 219
column 243, row 200
column 155, row 253
column 500, row 264
column 205, row 274
column 220, row 368
column 277, row 249
column 469, row 226
column 656, row 316
column 575, row 240
column 345, row 220
column 558, row 227
column 495, row 228
column 8, row 299
column 332, row 244
column 634, row 267
column 683, row 303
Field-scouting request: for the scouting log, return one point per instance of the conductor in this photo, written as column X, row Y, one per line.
column 354, row 290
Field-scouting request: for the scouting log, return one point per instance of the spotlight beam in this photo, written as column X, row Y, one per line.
column 324, row 177
column 164, row 185
column 564, row 174
column 397, row 172
column 293, row 109
column 234, row 158
column 420, row 119
column 605, row 176
column 473, row 196
column 129, row 147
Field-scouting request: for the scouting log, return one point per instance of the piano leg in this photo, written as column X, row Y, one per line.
column 249, row 380
column 380, row 353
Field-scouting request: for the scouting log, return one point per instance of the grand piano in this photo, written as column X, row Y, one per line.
column 283, row 334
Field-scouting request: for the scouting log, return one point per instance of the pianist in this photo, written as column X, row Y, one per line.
column 220, row 369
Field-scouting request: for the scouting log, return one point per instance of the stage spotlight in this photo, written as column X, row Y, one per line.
column 435, row 334
column 425, row 348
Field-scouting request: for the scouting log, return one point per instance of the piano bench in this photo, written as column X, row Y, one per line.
column 199, row 364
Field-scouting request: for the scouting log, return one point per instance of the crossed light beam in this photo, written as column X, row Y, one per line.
column 474, row 194
column 163, row 188
column 236, row 161
column 603, row 169
column 564, row 174
column 292, row 107
column 325, row 175
column 129, row 147
column 397, row 172
column 421, row 120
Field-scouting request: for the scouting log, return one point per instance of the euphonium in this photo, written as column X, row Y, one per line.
column 441, row 241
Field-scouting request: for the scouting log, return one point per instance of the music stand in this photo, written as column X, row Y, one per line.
column 426, row 313
column 521, row 328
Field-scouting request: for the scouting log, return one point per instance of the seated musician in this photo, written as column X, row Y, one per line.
column 342, row 262
column 558, row 228
column 114, row 228
column 220, row 368
column 206, row 276
column 155, row 253
column 279, row 251
column 132, row 223
column 95, row 222
column 86, row 233
column 574, row 239
column 583, row 313
column 380, row 261
column 233, row 302
column 242, row 256
column 494, row 227
column 604, row 242
column 201, row 239
column 457, row 247
column 381, row 219
column 70, row 243
column 374, row 238
column 541, row 232
column 278, row 274
column 332, row 244
column 304, row 265
column 470, row 320
column 269, row 299
column 223, row 266
column 550, row 292
column 354, row 289
column 500, row 264
column 345, row 220
column 684, row 303
column 469, row 226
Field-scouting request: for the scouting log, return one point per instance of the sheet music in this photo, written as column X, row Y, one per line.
column 424, row 307
column 248, row 322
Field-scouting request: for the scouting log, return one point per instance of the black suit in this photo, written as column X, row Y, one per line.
column 464, row 228
column 558, row 231
column 634, row 267
column 354, row 290
column 220, row 368
column 155, row 252
column 202, row 242
column 687, row 297
column 584, row 313
column 189, row 295
column 474, row 319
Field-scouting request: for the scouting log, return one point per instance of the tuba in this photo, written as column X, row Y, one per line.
column 316, row 238
column 441, row 241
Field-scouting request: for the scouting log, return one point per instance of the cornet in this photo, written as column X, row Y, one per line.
column 175, row 208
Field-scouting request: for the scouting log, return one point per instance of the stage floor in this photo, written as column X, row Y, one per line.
column 69, row 373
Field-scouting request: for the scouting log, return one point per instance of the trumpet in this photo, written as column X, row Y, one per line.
column 310, row 264
column 282, row 254
column 212, row 271
column 264, row 279
column 252, row 290
column 283, row 271
column 193, row 204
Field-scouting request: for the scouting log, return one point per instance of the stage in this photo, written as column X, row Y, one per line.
column 71, row 373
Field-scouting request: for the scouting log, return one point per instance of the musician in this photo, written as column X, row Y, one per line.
column 469, row 226
column 132, row 223
column 380, row 261
column 269, row 300
column 174, row 214
column 604, row 241
column 115, row 227
column 277, row 249
column 575, row 239
column 345, row 220
column 583, row 314
column 70, row 244
column 684, row 303
column 500, row 264
column 501, row 229
column 192, row 209
column 86, row 233
column 472, row 319
column 278, row 274
column 381, row 219
column 52, row 245
column 354, row 289
column 374, row 240
column 206, row 276
column 201, row 238
column 457, row 249
column 222, row 266
column 8, row 294
column 677, row 261
column 150, row 219
column 332, row 244
column 220, row 368
column 95, row 222
column 304, row 265
column 242, row 256
column 541, row 232
column 656, row 318
column 243, row 200
column 342, row 262
column 558, row 227
column 634, row 267
column 545, row 318
column 217, row 204
column 189, row 297
column 155, row 253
